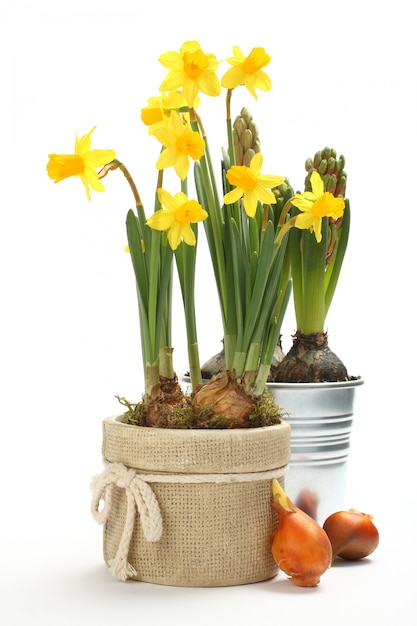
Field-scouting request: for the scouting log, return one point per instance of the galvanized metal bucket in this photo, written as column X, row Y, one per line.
column 321, row 420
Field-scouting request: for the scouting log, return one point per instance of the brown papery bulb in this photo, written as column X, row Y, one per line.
column 353, row 534
column 300, row 547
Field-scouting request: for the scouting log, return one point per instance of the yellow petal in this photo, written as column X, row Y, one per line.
column 93, row 179
column 190, row 91
column 98, row 158
column 234, row 77
column 268, row 180
column 189, row 46
column 86, row 186
column 264, row 195
column 302, row 203
column 166, row 159
column 233, row 196
column 188, row 235
column 317, row 229
column 304, row 220
column 83, row 145
column 182, row 165
column 250, row 202
column 173, row 81
column 174, row 235
column 262, row 81
column 171, row 61
column 166, row 199
column 250, row 85
column 161, row 220
column 317, row 185
column 209, row 84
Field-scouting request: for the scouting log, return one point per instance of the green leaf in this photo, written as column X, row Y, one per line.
column 333, row 271
column 137, row 255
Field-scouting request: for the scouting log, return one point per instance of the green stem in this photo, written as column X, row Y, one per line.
column 313, row 269
column 186, row 259
column 151, row 379
column 166, row 367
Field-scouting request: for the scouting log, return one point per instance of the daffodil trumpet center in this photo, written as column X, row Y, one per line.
column 320, row 208
column 255, row 61
column 241, row 176
column 63, row 166
column 195, row 63
column 188, row 212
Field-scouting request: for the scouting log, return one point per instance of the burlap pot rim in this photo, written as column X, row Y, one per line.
column 190, row 451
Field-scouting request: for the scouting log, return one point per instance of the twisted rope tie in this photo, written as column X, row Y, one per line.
column 139, row 495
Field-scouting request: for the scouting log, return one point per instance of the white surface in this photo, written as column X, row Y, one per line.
column 342, row 75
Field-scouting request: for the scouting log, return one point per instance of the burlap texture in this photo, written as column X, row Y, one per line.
column 213, row 534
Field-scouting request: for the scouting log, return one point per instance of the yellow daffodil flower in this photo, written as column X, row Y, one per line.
column 192, row 71
column 248, row 71
column 251, row 184
column 181, row 143
column 316, row 204
column 176, row 217
column 161, row 106
column 82, row 163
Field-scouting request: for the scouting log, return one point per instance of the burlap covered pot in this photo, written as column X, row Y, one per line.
column 189, row 507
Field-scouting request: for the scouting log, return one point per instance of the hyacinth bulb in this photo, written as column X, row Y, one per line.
column 300, row 547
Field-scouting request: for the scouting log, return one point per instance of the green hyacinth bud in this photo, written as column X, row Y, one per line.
column 330, row 183
column 341, row 185
column 331, row 170
column 322, row 168
column 245, row 138
column 248, row 156
column 331, row 165
column 317, row 160
column 282, row 193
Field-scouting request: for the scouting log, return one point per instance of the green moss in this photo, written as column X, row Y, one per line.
column 265, row 413
column 135, row 414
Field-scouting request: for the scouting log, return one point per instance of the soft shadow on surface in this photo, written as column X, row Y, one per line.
column 282, row 584
column 346, row 563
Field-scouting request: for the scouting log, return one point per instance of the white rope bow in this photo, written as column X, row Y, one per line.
column 140, row 496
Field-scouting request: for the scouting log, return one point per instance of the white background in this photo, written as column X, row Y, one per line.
column 343, row 75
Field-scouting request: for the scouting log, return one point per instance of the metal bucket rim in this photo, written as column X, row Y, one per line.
column 324, row 385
